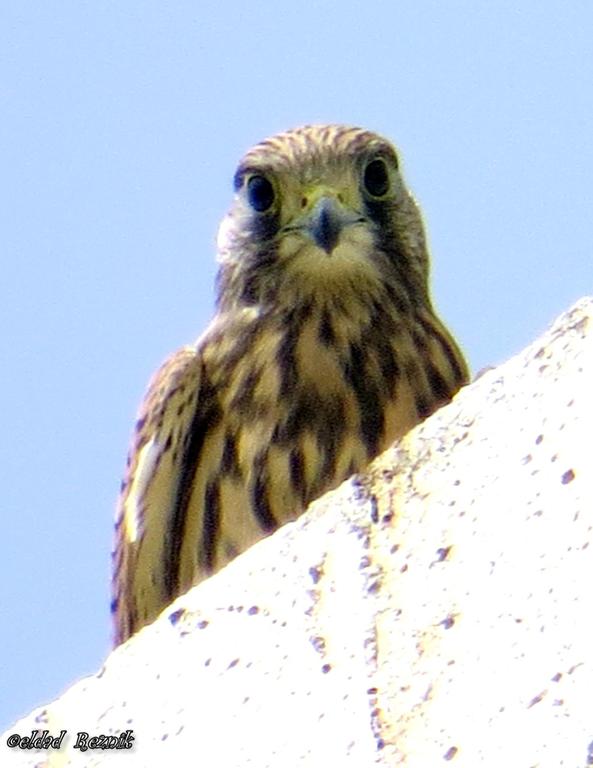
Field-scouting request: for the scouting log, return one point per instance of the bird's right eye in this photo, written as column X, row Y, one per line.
column 376, row 178
column 260, row 193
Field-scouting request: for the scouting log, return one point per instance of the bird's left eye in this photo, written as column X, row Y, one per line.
column 376, row 178
column 260, row 193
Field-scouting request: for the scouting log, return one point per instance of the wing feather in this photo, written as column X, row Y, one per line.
column 150, row 491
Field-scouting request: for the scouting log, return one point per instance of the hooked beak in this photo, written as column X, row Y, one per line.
column 326, row 221
column 325, row 224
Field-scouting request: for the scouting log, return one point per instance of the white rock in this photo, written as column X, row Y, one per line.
column 435, row 610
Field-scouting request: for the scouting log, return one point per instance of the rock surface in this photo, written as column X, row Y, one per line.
column 435, row 610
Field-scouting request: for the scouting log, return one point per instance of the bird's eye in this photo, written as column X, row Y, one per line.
column 260, row 193
column 376, row 178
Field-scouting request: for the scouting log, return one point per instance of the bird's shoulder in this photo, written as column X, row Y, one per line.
column 174, row 383
column 178, row 393
column 168, row 405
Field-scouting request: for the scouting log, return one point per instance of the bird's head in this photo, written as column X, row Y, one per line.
column 320, row 211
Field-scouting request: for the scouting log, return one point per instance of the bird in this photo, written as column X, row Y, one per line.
column 324, row 349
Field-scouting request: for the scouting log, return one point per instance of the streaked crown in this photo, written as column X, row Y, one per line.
column 313, row 148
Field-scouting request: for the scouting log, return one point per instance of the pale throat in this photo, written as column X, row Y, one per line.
column 348, row 273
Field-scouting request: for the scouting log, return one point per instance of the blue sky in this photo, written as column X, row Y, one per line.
column 121, row 126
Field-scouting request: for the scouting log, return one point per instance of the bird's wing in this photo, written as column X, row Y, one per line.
column 151, row 492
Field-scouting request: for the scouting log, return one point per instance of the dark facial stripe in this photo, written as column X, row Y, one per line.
column 407, row 289
column 256, row 269
column 264, row 226
column 210, row 527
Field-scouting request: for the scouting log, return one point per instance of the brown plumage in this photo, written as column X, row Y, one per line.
column 323, row 350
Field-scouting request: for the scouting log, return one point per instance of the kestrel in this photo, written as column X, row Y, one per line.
column 324, row 349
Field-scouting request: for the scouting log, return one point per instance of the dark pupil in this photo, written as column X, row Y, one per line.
column 376, row 178
column 260, row 193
